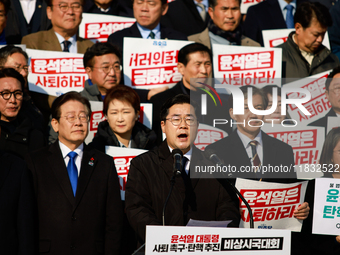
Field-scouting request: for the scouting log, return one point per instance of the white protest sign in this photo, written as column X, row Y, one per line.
column 101, row 26
column 275, row 37
column 332, row 122
column 208, row 240
column 55, row 73
column 97, row 116
column 122, row 158
column 317, row 106
column 247, row 3
column 272, row 204
column 207, row 134
column 241, row 65
column 326, row 205
column 307, row 145
column 151, row 63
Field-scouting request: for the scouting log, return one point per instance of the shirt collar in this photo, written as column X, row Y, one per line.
column 283, row 4
column 72, row 39
column 66, row 150
column 205, row 2
column 145, row 31
column 246, row 140
column 187, row 155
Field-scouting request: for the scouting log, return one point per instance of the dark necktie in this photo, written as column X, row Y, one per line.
column 66, row 46
column 184, row 162
column 152, row 35
column 256, row 160
column 72, row 171
column 289, row 16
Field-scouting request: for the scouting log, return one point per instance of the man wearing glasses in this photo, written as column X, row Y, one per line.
column 19, row 134
column 149, row 177
column 76, row 187
column 333, row 95
column 65, row 16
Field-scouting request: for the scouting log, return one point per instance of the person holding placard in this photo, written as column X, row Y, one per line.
column 303, row 54
column 224, row 26
column 65, row 16
column 122, row 128
column 148, row 183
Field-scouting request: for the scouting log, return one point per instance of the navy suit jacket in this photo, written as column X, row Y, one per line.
column 262, row 16
column 17, row 26
column 275, row 153
column 322, row 122
column 133, row 31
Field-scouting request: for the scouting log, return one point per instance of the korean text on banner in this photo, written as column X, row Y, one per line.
column 152, row 64
column 275, row 37
column 101, row 26
column 97, row 116
column 55, row 73
column 317, row 106
column 326, row 205
column 208, row 240
column 247, row 3
column 241, row 65
column 122, row 158
column 272, row 204
column 207, row 134
column 307, row 145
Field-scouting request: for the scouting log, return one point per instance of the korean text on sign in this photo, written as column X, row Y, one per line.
column 102, row 30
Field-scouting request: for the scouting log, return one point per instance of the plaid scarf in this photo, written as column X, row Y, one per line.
column 234, row 37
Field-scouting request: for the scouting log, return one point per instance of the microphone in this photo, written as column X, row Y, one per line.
column 211, row 155
column 177, row 154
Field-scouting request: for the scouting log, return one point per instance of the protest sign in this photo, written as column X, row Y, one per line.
column 317, row 106
column 326, row 205
column 307, row 145
column 55, row 73
column 272, row 204
column 122, row 158
column 207, row 134
column 247, row 3
column 240, row 65
column 101, row 26
column 275, row 37
column 332, row 122
column 152, row 64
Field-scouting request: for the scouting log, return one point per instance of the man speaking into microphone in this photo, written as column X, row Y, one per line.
column 148, row 183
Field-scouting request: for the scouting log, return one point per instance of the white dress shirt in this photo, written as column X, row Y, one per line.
column 28, row 8
column 145, row 32
column 73, row 46
column 188, row 156
column 259, row 148
column 66, row 150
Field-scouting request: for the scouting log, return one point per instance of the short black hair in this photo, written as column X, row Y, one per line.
column 256, row 91
column 7, row 5
column 335, row 71
column 50, row 2
column 213, row 3
column 100, row 49
column 69, row 96
column 306, row 11
column 269, row 90
column 10, row 72
column 8, row 51
column 163, row 1
column 178, row 99
column 183, row 54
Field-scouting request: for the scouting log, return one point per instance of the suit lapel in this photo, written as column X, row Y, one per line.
column 276, row 13
column 165, row 156
column 57, row 163
column 192, row 7
column 36, row 18
column 53, row 41
column 88, row 164
column 269, row 151
column 134, row 31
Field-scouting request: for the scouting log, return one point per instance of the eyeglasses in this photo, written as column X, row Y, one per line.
column 336, row 90
column 72, row 118
column 176, row 120
column 107, row 69
column 76, row 7
column 19, row 68
column 18, row 94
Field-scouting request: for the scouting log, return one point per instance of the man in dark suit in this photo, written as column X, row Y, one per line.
column 248, row 148
column 21, row 23
column 76, row 187
column 65, row 16
column 148, row 15
column 333, row 95
column 186, row 12
column 269, row 14
column 149, row 177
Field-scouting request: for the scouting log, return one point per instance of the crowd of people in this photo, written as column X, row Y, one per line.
column 59, row 195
